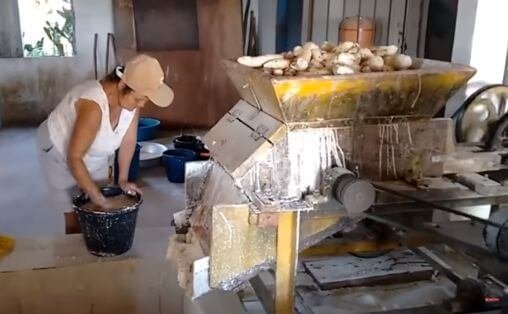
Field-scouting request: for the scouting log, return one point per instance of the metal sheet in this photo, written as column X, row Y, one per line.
column 420, row 93
column 219, row 189
column 196, row 173
column 238, row 250
column 252, row 246
column 400, row 298
column 246, row 131
column 295, row 165
column 345, row 271
column 254, row 87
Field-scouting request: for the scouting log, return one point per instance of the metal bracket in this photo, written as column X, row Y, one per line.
column 234, row 114
column 201, row 277
column 260, row 132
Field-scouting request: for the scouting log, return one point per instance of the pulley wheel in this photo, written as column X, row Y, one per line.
column 355, row 194
column 480, row 110
column 496, row 238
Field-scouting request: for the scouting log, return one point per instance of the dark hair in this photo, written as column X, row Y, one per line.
column 113, row 77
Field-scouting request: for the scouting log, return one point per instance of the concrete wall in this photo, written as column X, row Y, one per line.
column 267, row 26
column 31, row 87
column 466, row 17
column 490, row 41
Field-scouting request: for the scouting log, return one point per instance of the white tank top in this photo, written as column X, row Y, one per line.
column 61, row 123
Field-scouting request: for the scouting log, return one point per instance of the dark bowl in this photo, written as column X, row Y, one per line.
column 187, row 142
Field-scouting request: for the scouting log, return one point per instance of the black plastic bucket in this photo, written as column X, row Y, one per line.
column 107, row 233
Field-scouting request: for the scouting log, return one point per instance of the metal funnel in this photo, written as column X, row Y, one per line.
column 418, row 93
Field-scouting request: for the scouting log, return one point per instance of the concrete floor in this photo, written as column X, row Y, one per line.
column 23, row 195
column 42, row 260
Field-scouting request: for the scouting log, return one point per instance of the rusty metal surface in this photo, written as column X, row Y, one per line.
column 421, row 93
column 196, row 173
column 399, row 298
column 239, row 250
column 348, row 271
column 262, row 170
column 219, row 188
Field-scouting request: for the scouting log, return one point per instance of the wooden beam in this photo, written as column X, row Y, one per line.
column 287, row 256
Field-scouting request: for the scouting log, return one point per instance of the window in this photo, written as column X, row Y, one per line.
column 47, row 27
column 36, row 28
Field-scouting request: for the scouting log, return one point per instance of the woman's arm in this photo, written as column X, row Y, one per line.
column 125, row 156
column 88, row 121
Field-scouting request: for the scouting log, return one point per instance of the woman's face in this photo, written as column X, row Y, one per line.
column 132, row 100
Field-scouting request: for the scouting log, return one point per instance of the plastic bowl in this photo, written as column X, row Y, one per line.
column 147, row 128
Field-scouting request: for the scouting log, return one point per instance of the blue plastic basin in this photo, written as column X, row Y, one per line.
column 147, row 128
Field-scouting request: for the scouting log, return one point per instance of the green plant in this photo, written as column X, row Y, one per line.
column 34, row 50
column 56, row 33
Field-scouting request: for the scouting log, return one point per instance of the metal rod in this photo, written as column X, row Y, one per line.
column 358, row 21
column 113, row 43
column 375, row 10
column 107, row 54
column 327, row 20
column 420, row 25
column 403, row 41
column 310, row 28
column 95, row 40
column 245, row 22
column 505, row 78
column 389, row 22
column 374, row 18
column 436, row 206
column 435, row 261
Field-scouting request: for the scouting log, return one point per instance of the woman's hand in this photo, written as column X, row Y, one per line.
column 101, row 201
column 130, row 188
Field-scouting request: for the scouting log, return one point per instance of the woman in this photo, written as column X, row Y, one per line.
column 93, row 120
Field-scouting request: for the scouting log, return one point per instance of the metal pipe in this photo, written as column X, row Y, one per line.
column 327, row 20
column 389, row 22
column 403, row 45
column 107, row 54
column 310, row 28
column 358, row 21
column 95, row 40
column 436, row 206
